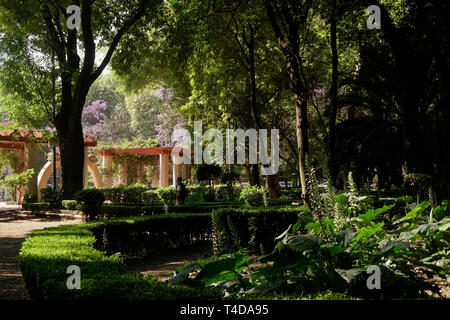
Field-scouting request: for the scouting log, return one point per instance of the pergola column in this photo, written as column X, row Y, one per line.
column 185, row 171
column 163, row 170
column 20, row 167
column 176, row 173
column 141, row 172
column 155, row 178
column 31, row 162
column 108, row 174
column 123, row 174
column 85, row 167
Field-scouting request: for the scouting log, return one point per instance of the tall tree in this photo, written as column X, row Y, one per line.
column 43, row 26
column 286, row 18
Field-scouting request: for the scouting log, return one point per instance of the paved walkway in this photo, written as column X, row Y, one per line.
column 13, row 231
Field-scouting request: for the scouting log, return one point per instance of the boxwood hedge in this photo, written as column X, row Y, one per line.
column 253, row 229
column 46, row 255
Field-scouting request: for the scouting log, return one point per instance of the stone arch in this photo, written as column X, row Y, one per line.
column 93, row 170
column 47, row 171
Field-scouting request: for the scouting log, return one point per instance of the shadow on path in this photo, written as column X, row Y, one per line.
column 13, row 231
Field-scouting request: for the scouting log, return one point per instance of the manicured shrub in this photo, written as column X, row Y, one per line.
column 30, row 197
column 143, row 236
column 51, row 196
column 292, row 193
column 117, row 210
column 210, row 194
column 196, row 193
column 254, row 196
column 283, row 201
column 112, row 194
column 167, row 195
column 151, row 196
column 253, row 229
column 45, row 256
column 91, row 200
column 225, row 192
column 36, row 207
column 114, row 210
column 69, row 204
column 134, row 193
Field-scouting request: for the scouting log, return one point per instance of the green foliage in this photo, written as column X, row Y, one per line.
column 36, row 207
column 229, row 177
column 30, row 197
column 236, row 228
column 143, row 236
column 112, row 194
column 418, row 183
column 91, row 200
column 69, row 204
column 15, row 181
column 207, row 172
column 151, row 196
column 323, row 259
column 134, row 193
column 254, row 196
column 209, row 194
column 442, row 211
column 51, row 196
column 45, row 256
column 8, row 158
column 167, row 195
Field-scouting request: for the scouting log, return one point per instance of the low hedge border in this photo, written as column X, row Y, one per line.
column 36, row 207
column 143, row 236
column 45, row 256
column 115, row 210
column 252, row 229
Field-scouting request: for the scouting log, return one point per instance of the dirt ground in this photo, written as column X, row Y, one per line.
column 13, row 231
column 164, row 264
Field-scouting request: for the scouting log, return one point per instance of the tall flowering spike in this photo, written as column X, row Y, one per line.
column 340, row 217
column 316, row 203
column 353, row 195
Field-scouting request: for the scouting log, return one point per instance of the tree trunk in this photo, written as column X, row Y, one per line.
column 71, row 144
column 253, row 174
column 332, row 161
column 290, row 47
column 274, row 186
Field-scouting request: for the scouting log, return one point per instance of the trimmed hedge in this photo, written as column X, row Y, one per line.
column 252, row 229
column 70, row 204
column 115, row 210
column 143, row 236
column 51, row 196
column 45, row 256
column 36, row 207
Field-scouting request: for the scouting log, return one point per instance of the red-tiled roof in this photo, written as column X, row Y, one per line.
column 16, row 137
column 142, row 151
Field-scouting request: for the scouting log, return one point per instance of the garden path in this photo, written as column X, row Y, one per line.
column 14, row 228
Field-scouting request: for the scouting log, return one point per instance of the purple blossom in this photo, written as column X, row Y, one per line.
column 164, row 93
column 167, row 125
column 94, row 118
